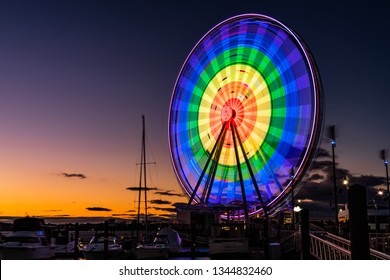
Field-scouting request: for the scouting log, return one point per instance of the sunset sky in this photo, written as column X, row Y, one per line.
column 76, row 77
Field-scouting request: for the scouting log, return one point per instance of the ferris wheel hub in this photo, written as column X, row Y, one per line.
column 227, row 113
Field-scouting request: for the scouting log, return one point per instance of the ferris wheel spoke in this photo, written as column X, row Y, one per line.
column 240, row 173
column 250, row 171
column 207, row 163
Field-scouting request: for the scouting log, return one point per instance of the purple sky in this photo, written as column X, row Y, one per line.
column 76, row 76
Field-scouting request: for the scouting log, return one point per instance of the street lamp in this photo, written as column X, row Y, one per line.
column 298, row 208
column 343, row 214
column 345, row 182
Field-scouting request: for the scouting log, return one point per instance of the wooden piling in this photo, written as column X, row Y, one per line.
column 358, row 221
column 76, row 241
column 106, row 239
column 305, row 234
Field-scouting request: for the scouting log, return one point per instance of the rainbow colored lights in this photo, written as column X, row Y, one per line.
column 255, row 70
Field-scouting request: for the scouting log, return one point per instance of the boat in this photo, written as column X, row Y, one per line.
column 27, row 241
column 94, row 250
column 173, row 238
column 228, row 239
column 158, row 249
column 167, row 241
column 65, row 243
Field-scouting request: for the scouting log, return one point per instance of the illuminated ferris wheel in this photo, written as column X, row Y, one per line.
column 245, row 112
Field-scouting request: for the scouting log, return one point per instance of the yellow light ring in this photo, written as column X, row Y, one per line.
column 244, row 90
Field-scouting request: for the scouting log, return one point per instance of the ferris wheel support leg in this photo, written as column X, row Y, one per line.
column 240, row 175
column 257, row 191
column 213, row 168
column 207, row 164
column 210, row 179
column 251, row 173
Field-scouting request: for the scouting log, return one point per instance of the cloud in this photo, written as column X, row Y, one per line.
column 179, row 204
column 316, row 193
column 306, row 200
column 153, row 217
column 132, row 215
column 130, row 211
column 71, row 175
column 120, row 215
column 316, row 177
column 98, row 209
column 159, row 201
column 169, row 193
column 142, row 189
column 142, row 215
column 370, row 180
column 167, row 209
column 322, row 153
column 168, row 216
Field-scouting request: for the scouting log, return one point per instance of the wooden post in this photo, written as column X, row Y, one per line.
column 266, row 238
column 76, row 241
column 357, row 205
column 305, row 235
column 193, row 240
column 106, row 240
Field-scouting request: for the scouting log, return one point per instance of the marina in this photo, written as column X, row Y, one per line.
column 178, row 242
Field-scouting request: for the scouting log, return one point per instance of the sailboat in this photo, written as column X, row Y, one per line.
column 159, row 248
column 94, row 250
column 142, row 188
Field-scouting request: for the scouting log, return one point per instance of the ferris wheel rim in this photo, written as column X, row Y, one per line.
column 316, row 127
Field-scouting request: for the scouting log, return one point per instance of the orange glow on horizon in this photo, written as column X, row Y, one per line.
column 42, row 190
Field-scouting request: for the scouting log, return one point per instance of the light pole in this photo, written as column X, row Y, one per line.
column 346, row 206
column 383, row 156
column 332, row 135
column 346, row 186
column 292, row 198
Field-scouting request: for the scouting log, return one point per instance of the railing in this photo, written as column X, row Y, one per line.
column 327, row 246
column 380, row 242
column 323, row 249
column 376, row 255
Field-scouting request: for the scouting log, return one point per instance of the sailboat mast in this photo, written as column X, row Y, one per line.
column 140, row 187
column 143, row 161
column 142, row 172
